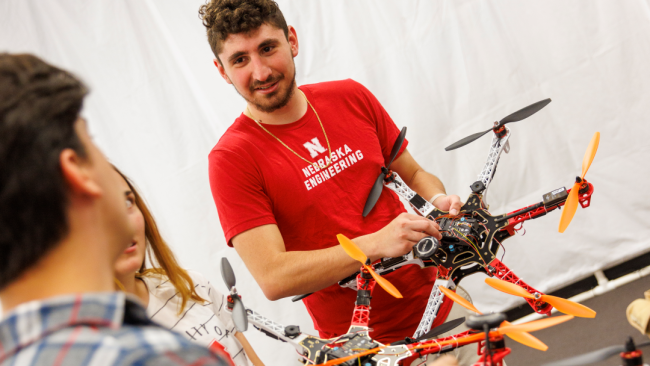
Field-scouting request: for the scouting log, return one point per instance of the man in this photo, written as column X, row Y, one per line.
column 63, row 223
column 295, row 169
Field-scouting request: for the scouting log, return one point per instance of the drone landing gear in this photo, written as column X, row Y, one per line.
column 494, row 348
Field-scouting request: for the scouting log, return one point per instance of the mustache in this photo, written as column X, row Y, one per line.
column 272, row 79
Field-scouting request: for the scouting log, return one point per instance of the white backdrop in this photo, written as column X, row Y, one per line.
column 445, row 69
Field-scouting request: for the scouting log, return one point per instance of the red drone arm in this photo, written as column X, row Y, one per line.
column 539, row 209
column 441, row 344
column 502, row 272
column 361, row 314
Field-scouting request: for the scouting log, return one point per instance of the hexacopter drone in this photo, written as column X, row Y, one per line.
column 471, row 239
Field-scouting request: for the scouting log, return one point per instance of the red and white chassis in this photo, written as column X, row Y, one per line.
column 502, row 227
column 315, row 350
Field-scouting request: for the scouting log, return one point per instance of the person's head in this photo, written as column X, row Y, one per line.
column 147, row 242
column 254, row 49
column 51, row 173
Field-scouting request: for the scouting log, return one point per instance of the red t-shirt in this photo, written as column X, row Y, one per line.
column 255, row 181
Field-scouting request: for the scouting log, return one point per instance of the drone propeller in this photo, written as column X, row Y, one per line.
column 514, row 117
column 239, row 315
column 562, row 305
column 534, row 325
column 375, row 192
column 598, row 355
column 356, row 253
column 505, row 329
column 571, row 204
column 521, row 337
column 442, row 328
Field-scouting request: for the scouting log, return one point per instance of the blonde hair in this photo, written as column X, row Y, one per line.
column 162, row 255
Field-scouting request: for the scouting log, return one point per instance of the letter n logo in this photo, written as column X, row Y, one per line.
column 314, row 147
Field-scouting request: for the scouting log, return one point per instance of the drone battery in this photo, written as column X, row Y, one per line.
column 418, row 202
column 554, row 197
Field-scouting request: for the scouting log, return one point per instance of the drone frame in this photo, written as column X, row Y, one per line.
column 318, row 351
column 457, row 264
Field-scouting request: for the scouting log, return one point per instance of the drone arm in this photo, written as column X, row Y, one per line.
column 277, row 330
column 422, row 206
column 361, row 313
column 446, row 343
column 385, row 266
column 541, row 208
column 498, row 145
column 502, row 272
column 433, row 306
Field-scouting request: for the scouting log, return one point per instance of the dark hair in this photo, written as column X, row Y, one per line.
column 39, row 105
column 225, row 17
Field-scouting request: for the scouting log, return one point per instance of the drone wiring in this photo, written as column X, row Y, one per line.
column 521, row 226
column 469, row 242
column 335, row 340
column 504, row 248
column 307, row 360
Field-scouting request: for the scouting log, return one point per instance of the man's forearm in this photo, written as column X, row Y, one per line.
column 281, row 273
column 295, row 273
column 425, row 184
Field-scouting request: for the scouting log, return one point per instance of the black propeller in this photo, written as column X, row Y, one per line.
column 442, row 328
column 239, row 316
column 514, row 117
column 599, row 355
column 375, row 192
column 300, row 297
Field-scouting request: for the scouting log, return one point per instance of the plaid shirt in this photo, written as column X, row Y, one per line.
column 93, row 329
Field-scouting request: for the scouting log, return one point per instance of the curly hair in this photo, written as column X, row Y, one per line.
column 224, row 17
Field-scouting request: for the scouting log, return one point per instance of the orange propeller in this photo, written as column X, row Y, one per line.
column 356, row 253
column 562, row 305
column 521, row 337
column 534, row 325
column 458, row 299
column 505, row 329
column 571, row 204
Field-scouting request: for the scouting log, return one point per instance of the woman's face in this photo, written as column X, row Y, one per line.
column 131, row 259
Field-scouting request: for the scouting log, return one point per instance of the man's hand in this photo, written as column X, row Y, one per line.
column 445, row 360
column 398, row 237
column 448, row 203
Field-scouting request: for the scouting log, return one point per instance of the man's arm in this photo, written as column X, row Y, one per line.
column 425, row 184
column 281, row 274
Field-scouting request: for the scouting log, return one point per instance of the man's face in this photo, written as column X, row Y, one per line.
column 260, row 66
column 112, row 202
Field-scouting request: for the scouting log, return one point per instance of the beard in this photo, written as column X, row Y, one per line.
column 273, row 101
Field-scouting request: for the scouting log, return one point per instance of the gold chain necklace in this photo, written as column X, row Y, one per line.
column 329, row 150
